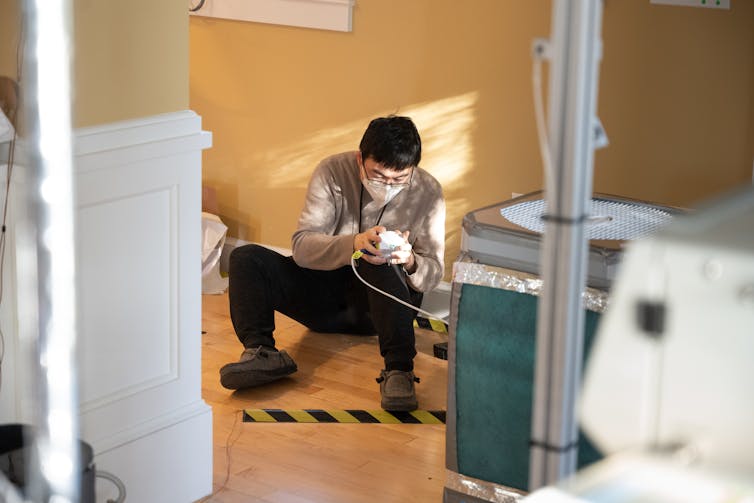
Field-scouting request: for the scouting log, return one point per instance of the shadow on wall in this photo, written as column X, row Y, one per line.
column 446, row 127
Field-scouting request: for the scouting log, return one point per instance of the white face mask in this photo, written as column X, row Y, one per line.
column 381, row 192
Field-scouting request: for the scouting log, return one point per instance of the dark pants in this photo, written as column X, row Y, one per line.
column 262, row 281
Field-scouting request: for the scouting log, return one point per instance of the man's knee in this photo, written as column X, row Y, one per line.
column 387, row 278
column 247, row 256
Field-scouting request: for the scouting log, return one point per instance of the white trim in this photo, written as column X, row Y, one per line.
column 149, row 427
column 128, row 133
column 720, row 4
column 320, row 14
column 127, row 142
column 438, row 300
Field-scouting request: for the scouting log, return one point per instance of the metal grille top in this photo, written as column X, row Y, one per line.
column 610, row 220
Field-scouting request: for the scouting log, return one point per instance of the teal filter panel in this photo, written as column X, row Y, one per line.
column 495, row 341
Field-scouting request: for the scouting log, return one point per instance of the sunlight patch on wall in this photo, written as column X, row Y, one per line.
column 292, row 165
column 445, row 126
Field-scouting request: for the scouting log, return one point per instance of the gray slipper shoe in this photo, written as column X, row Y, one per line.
column 257, row 366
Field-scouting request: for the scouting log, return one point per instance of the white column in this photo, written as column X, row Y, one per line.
column 575, row 50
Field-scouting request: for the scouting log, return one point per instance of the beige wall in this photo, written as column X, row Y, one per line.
column 130, row 60
column 676, row 94
column 750, row 133
column 278, row 99
column 10, row 15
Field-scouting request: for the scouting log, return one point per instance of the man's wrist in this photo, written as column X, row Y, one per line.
column 410, row 265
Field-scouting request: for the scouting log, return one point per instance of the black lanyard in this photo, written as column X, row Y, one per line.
column 361, row 203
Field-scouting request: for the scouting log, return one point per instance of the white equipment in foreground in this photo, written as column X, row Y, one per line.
column 667, row 390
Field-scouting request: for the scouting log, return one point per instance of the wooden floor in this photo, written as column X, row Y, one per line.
column 320, row 463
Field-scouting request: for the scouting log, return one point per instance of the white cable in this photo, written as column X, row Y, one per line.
column 539, row 115
column 426, row 313
column 116, row 481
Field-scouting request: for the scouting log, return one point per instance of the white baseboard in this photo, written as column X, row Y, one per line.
column 162, row 466
column 436, row 301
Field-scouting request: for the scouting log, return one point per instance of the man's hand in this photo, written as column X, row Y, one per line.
column 404, row 254
column 366, row 240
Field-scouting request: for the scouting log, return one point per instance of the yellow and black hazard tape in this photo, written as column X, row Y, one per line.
column 343, row 416
column 431, row 324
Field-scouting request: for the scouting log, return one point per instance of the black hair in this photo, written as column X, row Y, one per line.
column 392, row 141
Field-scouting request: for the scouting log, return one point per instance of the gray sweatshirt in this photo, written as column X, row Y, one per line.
column 330, row 219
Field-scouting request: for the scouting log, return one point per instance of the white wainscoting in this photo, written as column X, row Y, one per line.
column 138, row 197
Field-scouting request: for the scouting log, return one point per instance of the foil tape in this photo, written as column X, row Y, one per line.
column 487, row 491
column 472, row 273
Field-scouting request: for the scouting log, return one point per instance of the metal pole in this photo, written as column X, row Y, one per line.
column 48, row 106
column 575, row 51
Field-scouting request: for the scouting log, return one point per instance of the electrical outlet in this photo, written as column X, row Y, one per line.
column 709, row 4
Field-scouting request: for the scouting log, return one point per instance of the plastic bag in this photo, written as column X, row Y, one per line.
column 213, row 240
